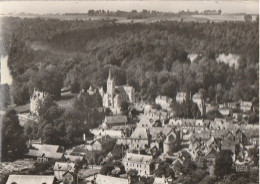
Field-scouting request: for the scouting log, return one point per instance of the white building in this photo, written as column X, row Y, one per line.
column 198, row 99
column 164, row 102
column 142, row 163
column 102, row 179
column 115, row 95
column 61, row 167
column 245, row 106
column 27, row 179
column 181, row 97
column 36, row 99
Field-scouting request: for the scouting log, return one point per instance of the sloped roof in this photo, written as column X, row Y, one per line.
column 140, row 133
column 46, row 147
column 212, row 151
column 63, row 166
column 102, row 179
column 138, row 158
column 27, row 179
column 39, row 153
column 160, row 181
column 115, row 119
column 165, row 98
column 73, row 158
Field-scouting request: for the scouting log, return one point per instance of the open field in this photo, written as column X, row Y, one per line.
column 188, row 18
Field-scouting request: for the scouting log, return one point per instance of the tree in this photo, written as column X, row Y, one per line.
column 49, row 81
column 124, row 107
column 164, row 169
column 45, row 105
column 75, row 86
column 40, row 168
column 133, row 174
column 223, row 163
column 253, row 153
column 13, row 140
column 189, row 166
column 248, row 18
column 74, row 126
column 106, row 169
column 20, row 93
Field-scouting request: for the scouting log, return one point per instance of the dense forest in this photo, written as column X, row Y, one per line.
column 154, row 57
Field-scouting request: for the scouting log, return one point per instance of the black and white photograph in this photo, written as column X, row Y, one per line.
column 129, row 91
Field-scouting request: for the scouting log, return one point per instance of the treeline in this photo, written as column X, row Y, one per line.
column 154, row 58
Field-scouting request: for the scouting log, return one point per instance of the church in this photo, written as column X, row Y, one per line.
column 115, row 95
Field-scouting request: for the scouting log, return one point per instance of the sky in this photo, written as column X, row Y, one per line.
column 54, row 7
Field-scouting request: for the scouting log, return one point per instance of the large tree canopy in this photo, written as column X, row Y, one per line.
column 13, row 140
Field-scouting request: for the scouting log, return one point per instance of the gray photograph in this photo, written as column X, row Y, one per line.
column 129, row 92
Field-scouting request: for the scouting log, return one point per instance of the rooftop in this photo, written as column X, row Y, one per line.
column 102, row 179
column 63, row 166
column 27, row 179
column 115, row 119
column 138, row 158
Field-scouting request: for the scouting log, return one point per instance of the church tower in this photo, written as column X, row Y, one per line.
column 110, row 86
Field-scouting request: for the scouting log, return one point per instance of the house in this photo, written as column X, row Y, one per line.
column 68, row 177
column 181, row 97
column 164, row 102
column 102, row 179
column 115, row 95
column 172, row 142
column 116, row 153
column 44, row 152
column 162, row 180
column 211, row 155
column 138, row 140
column 142, row 163
column 60, row 168
column 241, row 166
column 117, row 120
column 73, row 158
column 91, row 91
column 155, row 114
column 30, row 179
column 104, row 143
column 98, row 133
column 224, row 111
column 245, row 106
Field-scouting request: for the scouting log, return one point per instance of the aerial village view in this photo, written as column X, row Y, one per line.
column 130, row 97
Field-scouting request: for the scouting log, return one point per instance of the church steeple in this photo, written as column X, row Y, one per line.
column 109, row 75
column 110, row 85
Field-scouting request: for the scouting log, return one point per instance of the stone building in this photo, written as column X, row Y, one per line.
column 172, row 142
column 36, row 99
column 181, row 97
column 164, row 102
column 142, row 163
column 61, row 168
column 115, row 95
